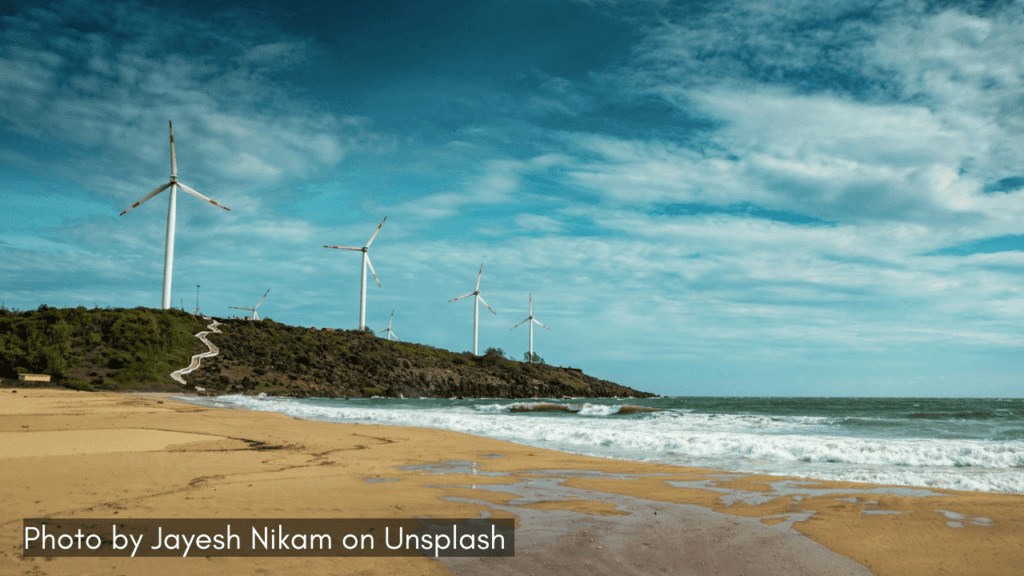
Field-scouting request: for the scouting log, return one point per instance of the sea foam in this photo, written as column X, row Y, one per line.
column 803, row 446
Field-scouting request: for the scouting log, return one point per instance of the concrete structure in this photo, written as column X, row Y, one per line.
column 34, row 377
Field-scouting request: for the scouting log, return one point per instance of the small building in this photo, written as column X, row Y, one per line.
column 34, row 377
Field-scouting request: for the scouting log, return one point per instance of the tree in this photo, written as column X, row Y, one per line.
column 536, row 358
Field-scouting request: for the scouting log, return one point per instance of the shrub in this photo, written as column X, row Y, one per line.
column 536, row 358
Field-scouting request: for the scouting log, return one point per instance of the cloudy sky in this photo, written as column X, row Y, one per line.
column 725, row 198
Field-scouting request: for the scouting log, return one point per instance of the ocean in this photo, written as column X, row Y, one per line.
column 956, row 443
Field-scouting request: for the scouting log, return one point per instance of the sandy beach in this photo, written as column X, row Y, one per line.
column 70, row 454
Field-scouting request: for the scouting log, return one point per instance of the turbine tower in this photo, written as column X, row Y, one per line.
column 254, row 315
column 476, row 307
column 171, row 217
column 531, row 320
column 388, row 329
column 362, row 280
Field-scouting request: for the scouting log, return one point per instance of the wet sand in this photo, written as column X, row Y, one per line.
column 94, row 455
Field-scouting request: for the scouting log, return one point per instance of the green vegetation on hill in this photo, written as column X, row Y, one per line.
column 102, row 349
column 139, row 348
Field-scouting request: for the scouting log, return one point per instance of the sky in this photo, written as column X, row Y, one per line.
column 755, row 198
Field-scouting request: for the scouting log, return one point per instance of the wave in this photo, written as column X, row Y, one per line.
column 586, row 409
column 792, row 446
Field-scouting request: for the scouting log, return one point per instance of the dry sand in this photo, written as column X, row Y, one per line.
column 90, row 455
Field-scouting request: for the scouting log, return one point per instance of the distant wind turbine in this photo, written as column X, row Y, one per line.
column 362, row 281
column 531, row 320
column 388, row 329
column 476, row 307
column 254, row 315
column 171, row 217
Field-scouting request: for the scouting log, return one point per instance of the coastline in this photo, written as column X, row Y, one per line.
column 102, row 455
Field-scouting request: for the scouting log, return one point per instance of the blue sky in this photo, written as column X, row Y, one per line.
column 727, row 198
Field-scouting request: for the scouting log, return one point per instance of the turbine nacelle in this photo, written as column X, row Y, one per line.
column 173, row 182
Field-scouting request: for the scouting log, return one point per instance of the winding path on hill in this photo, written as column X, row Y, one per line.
column 198, row 357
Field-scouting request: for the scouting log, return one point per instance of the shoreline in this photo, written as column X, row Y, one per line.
column 147, row 455
column 738, row 441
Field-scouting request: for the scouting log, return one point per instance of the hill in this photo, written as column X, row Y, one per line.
column 106, row 349
column 118, row 349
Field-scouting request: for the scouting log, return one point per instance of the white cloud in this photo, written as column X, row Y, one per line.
column 108, row 98
column 275, row 55
column 538, row 222
column 820, row 156
column 497, row 182
column 969, row 71
column 901, row 117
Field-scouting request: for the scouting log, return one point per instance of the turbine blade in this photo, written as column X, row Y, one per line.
column 460, row 297
column 370, row 264
column 391, row 319
column 538, row 322
column 375, row 232
column 239, row 308
column 518, row 325
column 201, row 197
column 379, row 331
column 390, row 334
column 261, row 299
column 174, row 163
column 345, row 248
column 479, row 274
column 148, row 196
column 485, row 304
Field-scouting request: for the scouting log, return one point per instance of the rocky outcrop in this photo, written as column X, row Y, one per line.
column 301, row 362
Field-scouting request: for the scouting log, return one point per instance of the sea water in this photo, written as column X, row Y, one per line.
column 956, row 443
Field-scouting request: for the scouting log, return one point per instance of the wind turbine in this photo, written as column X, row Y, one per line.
column 171, row 217
column 476, row 307
column 388, row 329
column 531, row 320
column 254, row 316
column 362, row 281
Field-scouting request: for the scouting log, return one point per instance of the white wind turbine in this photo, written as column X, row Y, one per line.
column 171, row 217
column 254, row 315
column 388, row 329
column 362, row 281
column 476, row 307
column 531, row 320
